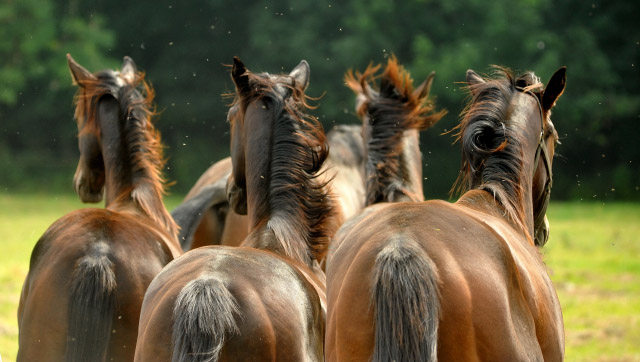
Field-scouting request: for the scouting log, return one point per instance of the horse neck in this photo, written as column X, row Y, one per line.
column 118, row 175
column 258, row 149
column 394, row 164
column 411, row 164
column 518, row 204
column 527, row 195
column 531, row 131
column 130, row 183
column 276, row 213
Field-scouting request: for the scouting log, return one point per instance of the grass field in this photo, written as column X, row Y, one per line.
column 593, row 258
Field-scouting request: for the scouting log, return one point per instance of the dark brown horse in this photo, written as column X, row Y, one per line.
column 82, row 296
column 206, row 218
column 264, row 300
column 459, row 282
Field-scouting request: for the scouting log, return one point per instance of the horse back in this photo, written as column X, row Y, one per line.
column 81, row 260
column 496, row 300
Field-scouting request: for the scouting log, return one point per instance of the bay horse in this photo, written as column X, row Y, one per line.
column 263, row 300
column 205, row 216
column 464, row 281
column 88, row 273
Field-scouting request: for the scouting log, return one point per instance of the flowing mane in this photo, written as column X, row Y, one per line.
column 393, row 109
column 145, row 150
column 297, row 205
column 492, row 155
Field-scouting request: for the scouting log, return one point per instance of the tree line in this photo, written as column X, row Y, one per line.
column 183, row 48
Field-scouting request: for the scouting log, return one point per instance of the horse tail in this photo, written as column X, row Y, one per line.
column 406, row 304
column 91, row 308
column 203, row 318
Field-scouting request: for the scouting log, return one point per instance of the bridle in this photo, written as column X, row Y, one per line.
column 543, row 151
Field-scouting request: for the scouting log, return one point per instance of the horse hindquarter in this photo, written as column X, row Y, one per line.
column 230, row 304
column 83, row 294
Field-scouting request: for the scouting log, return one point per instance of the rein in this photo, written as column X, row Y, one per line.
column 546, row 192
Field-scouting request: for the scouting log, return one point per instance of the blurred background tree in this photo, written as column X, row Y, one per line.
column 182, row 47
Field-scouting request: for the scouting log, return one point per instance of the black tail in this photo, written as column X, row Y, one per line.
column 406, row 305
column 203, row 318
column 91, row 309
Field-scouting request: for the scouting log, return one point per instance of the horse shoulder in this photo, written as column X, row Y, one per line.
column 536, row 290
column 487, row 259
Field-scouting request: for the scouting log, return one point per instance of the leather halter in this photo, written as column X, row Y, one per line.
column 538, row 223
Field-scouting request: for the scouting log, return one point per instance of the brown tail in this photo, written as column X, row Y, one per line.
column 91, row 309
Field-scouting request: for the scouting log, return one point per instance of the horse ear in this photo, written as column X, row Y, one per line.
column 301, row 74
column 473, row 78
column 79, row 74
column 554, row 88
column 423, row 89
column 240, row 76
column 367, row 91
column 128, row 70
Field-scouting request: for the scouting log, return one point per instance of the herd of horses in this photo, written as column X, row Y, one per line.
column 303, row 246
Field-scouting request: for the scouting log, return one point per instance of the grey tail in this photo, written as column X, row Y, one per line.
column 203, row 319
column 406, row 305
column 91, row 309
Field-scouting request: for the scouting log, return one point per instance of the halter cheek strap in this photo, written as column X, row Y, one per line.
column 541, row 239
column 539, row 224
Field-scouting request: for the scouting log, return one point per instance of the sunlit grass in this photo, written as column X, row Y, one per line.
column 593, row 259
column 23, row 218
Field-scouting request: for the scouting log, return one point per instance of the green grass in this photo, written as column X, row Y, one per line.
column 23, row 218
column 593, row 258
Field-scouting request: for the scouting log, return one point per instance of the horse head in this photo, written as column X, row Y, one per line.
column 543, row 176
column 89, row 179
column 277, row 151
column 120, row 150
column 507, row 134
column 247, row 91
